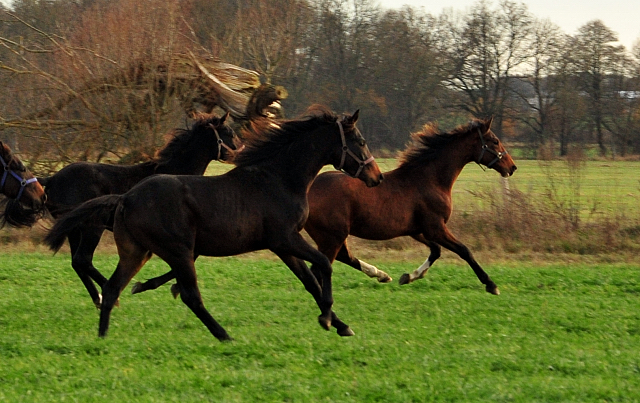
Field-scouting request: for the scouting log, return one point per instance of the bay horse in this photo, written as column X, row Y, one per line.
column 188, row 152
column 414, row 199
column 25, row 197
column 259, row 204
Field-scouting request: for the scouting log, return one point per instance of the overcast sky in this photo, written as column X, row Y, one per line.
column 621, row 16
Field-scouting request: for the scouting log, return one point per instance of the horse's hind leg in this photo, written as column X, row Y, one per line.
column 421, row 271
column 81, row 263
column 131, row 261
column 90, row 240
column 345, row 256
column 447, row 240
column 154, row 283
column 185, row 273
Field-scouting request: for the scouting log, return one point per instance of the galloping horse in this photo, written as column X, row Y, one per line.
column 260, row 204
column 25, row 196
column 414, row 199
column 188, row 152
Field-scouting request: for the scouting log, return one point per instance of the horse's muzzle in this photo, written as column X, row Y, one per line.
column 375, row 181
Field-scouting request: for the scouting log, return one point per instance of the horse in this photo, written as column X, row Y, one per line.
column 259, row 204
column 189, row 151
column 25, row 197
column 414, row 199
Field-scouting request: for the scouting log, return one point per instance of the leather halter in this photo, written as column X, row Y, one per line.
column 345, row 151
column 485, row 148
column 222, row 144
column 23, row 182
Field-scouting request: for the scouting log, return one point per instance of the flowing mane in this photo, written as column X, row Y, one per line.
column 426, row 143
column 266, row 139
column 180, row 138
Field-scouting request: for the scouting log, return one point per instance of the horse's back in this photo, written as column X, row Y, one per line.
column 168, row 210
column 81, row 181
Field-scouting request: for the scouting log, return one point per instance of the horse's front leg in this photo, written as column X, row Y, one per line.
column 421, row 271
column 447, row 240
column 300, row 269
column 317, row 283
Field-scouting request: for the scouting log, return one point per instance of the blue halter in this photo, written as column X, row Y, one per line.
column 23, row 182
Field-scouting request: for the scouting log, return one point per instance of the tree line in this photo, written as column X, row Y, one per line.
column 548, row 91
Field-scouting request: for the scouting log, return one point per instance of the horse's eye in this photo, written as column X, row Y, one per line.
column 362, row 143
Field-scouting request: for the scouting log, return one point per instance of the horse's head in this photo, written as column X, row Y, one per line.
column 355, row 158
column 227, row 143
column 26, row 197
column 492, row 153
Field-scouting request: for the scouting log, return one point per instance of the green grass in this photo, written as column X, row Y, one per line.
column 559, row 332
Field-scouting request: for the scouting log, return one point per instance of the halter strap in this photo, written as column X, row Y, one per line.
column 23, row 182
column 485, row 148
column 346, row 150
column 222, row 144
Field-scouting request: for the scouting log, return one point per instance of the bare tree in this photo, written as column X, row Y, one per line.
column 535, row 90
column 406, row 68
column 483, row 51
column 595, row 58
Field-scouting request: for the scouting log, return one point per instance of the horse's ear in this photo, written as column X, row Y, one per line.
column 354, row 118
column 488, row 123
column 222, row 119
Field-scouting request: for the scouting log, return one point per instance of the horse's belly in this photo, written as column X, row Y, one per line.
column 227, row 242
column 379, row 230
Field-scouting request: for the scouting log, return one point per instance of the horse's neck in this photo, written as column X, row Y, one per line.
column 135, row 173
column 185, row 164
column 299, row 168
column 446, row 168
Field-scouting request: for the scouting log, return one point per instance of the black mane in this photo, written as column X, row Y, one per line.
column 180, row 138
column 426, row 143
column 265, row 140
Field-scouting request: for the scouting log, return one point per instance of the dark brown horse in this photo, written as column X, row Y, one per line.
column 188, row 152
column 260, row 204
column 414, row 199
column 25, row 197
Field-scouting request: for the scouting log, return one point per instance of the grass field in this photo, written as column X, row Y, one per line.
column 559, row 332
column 565, row 329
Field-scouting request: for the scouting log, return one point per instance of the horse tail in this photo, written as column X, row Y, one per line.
column 95, row 212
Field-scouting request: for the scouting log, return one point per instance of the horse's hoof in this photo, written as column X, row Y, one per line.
column 324, row 322
column 137, row 287
column 346, row 332
column 98, row 302
column 493, row 289
column 405, row 279
column 175, row 290
column 385, row 279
